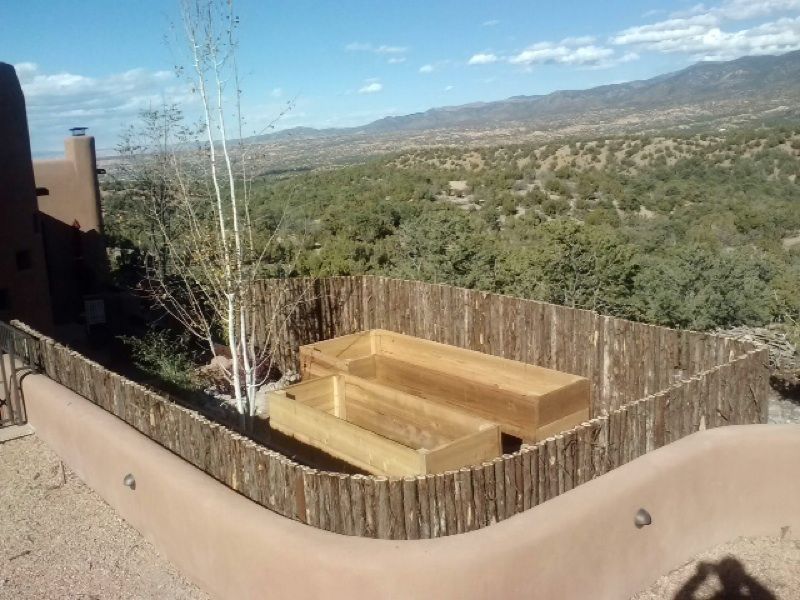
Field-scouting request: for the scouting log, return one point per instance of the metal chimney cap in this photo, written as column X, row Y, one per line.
column 78, row 131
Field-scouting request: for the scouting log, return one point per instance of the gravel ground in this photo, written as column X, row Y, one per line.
column 765, row 568
column 58, row 539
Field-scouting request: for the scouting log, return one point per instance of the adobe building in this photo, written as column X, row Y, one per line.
column 24, row 290
column 53, row 265
column 72, row 226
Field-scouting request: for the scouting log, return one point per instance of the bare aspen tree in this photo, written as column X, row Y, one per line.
column 207, row 252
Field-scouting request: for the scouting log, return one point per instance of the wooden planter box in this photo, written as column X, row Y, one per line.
column 379, row 429
column 529, row 402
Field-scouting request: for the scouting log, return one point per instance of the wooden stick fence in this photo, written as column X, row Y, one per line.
column 624, row 360
column 652, row 386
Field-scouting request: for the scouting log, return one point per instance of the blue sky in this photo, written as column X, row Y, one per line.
column 348, row 62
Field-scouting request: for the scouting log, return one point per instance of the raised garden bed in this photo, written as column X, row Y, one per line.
column 379, row 429
column 526, row 401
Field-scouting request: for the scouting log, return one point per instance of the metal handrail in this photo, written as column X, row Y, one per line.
column 19, row 351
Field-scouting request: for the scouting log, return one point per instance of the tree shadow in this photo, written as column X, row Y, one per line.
column 735, row 581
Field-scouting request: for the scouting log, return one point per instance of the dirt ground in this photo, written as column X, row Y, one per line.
column 58, row 539
column 765, row 568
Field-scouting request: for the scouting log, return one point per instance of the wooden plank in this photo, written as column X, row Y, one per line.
column 527, row 480
column 370, row 492
column 510, row 484
column 396, row 505
column 433, row 508
column 345, row 509
column 659, row 419
column 605, row 402
column 380, row 429
column 357, row 505
column 443, row 510
column 587, row 437
column 342, row 439
column 561, row 464
column 542, row 486
column 464, row 478
column 533, row 453
column 516, row 376
column 479, row 496
column 490, row 493
column 452, row 505
column 411, row 508
column 423, row 507
column 465, row 451
column 383, row 509
column 423, row 413
column 500, row 487
column 515, row 414
column 553, row 467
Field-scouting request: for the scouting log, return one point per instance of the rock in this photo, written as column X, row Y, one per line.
column 262, row 403
column 784, row 361
column 782, row 352
column 221, row 362
column 262, row 398
column 216, row 373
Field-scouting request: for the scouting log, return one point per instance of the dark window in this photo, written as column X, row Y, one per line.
column 4, row 301
column 24, row 260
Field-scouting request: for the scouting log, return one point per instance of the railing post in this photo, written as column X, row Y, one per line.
column 16, row 401
column 6, row 386
column 17, row 345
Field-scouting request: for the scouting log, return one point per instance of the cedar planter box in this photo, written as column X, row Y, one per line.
column 526, row 401
column 379, row 429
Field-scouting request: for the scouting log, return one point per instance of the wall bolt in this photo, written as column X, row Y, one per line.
column 642, row 518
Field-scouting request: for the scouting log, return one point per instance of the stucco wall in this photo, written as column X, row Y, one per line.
column 705, row 489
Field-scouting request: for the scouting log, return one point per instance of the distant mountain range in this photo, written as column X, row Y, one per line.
column 706, row 96
column 743, row 79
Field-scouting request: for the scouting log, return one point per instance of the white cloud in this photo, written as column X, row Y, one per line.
column 373, row 87
column 381, row 49
column 391, row 49
column 666, row 31
column 447, row 88
column 702, row 36
column 358, row 47
column 276, row 92
column 581, row 40
column 491, row 23
column 749, row 9
column 426, row 69
column 396, row 60
column 482, row 58
column 57, row 101
column 551, row 53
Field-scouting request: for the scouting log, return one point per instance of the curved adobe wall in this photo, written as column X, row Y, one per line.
column 427, row 506
column 707, row 488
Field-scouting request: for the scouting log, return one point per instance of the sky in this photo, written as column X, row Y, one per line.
column 340, row 63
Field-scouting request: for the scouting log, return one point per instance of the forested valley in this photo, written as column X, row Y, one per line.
column 697, row 231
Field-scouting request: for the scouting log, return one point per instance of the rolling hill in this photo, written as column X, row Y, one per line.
column 751, row 78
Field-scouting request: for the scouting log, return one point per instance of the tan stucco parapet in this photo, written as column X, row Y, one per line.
column 710, row 487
